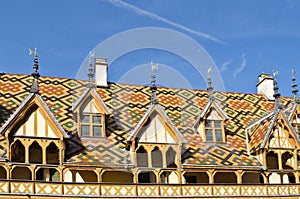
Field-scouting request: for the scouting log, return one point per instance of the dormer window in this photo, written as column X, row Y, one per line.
column 91, row 112
column 91, row 120
column 91, row 124
column 210, row 124
column 155, row 141
column 214, row 131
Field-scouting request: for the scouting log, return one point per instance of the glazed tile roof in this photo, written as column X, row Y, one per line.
column 128, row 104
column 259, row 131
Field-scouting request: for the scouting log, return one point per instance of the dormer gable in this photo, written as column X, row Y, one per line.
column 156, row 127
column 90, row 94
column 33, row 119
column 210, row 124
column 90, row 111
column 294, row 118
column 155, row 141
column 280, row 135
column 272, row 131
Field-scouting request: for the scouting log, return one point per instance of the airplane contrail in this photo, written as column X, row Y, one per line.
column 151, row 15
column 242, row 66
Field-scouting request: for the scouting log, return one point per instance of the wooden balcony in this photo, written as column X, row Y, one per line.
column 11, row 189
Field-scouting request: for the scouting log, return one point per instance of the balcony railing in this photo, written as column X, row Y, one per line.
column 38, row 188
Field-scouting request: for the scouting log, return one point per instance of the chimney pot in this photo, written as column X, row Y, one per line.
column 101, row 71
column 265, row 86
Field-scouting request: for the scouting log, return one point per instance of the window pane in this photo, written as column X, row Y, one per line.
column 85, row 130
column 209, row 136
column 97, row 119
column 97, row 130
column 219, row 136
column 217, row 124
column 85, row 118
column 208, row 124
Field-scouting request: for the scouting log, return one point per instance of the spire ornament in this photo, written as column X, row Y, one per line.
column 153, row 87
column 276, row 95
column 90, row 70
column 295, row 87
column 209, row 85
column 35, row 87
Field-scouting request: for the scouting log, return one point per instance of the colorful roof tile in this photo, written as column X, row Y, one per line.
column 128, row 104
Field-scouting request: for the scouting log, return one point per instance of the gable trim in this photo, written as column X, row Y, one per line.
column 138, row 127
column 21, row 108
column 272, row 125
column 210, row 103
column 94, row 94
column 252, row 125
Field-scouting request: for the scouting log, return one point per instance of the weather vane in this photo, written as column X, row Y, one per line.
column 293, row 72
column 32, row 52
column 154, row 66
column 275, row 73
column 34, row 88
column 90, row 69
column 209, row 70
column 153, row 88
column 91, row 55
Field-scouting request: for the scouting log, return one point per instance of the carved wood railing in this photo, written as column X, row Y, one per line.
column 39, row 188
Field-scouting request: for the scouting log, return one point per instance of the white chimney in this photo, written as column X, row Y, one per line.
column 265, row 86
column 101, row 71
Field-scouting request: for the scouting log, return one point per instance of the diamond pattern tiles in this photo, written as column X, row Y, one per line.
column 258, row 132
column 128, row 103
column 102, row 151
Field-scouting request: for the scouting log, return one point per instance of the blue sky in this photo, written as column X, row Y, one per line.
column 243, row 38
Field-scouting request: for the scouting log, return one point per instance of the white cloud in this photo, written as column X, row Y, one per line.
column 151, row 15
column 242, row 66
column 225, row 65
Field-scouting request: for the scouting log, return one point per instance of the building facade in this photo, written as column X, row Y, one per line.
column 65, row 137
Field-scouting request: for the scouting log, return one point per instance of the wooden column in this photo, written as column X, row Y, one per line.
column 32, row 169
column 99, row 174
column 157, row 173
column 239, row 174
column 135, row 174
column 211, row 174
column 279, row 160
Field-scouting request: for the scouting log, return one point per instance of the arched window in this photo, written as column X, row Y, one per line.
column 86, row 176
column 117, row 176
column 272, row 160
column 17, row 152
column 156, row 157
column 48, row 175
column 286, row 160
column 21, row 173
column 35, row 153
column 146, row 177
column 196, row 177
column 3, row 173
column 141, row 157
column 52, row 153
column 252, row 178
column 225, row 177
column 170, row 158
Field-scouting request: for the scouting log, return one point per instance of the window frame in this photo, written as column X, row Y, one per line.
column 214, row 130
column 91, row 124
